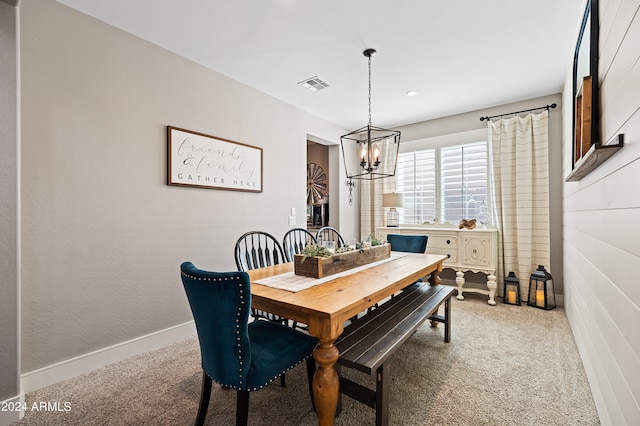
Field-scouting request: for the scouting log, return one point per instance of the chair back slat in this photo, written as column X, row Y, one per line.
column 266, row 258
column 257, row 249
column 295, row 240
column 328, row 233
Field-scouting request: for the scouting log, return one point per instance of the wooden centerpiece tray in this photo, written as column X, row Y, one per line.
column 320, row 267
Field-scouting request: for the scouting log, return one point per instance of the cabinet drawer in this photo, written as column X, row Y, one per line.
column 443, row 241
column 451, row 253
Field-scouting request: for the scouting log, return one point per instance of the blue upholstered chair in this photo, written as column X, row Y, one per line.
column 295, row 240
column 235, row 353
column 408, row 243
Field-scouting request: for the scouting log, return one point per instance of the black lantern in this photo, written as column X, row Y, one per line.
column 541, row 294
column 511, row 290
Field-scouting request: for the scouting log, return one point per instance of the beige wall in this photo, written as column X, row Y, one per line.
column 602, row 253
column 9, row 220
column 103, row 235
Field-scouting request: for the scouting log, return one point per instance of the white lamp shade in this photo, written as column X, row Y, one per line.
column 392, row 199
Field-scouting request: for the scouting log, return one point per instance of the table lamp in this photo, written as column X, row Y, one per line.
column 392, row 200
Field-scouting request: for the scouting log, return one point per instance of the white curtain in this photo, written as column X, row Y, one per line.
column 520, row 173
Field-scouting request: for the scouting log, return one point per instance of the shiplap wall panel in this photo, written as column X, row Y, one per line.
column 610, row 294
column 612, row 229
column 612, row 351
column 620, row 87
column 620, row 12
column 600, row 230
column 584, row 325
column 613, row 282
column 624, row 99
column 615, row 190
column 582, row 332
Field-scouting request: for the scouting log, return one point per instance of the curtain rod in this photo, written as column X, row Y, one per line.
column 518, row 112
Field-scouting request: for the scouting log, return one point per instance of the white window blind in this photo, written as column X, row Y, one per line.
column 416, row 179
column 464, row 180
column 445, row 178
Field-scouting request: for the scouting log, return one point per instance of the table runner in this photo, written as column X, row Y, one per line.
column 289, row 281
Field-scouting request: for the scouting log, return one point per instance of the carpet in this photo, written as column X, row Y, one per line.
column 505, row 365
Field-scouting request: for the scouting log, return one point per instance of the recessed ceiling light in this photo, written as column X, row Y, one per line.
column 412, row 92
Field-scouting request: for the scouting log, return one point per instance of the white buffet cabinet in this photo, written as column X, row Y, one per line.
column 474, row 250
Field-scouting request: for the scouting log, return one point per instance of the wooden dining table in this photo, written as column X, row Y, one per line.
column 326, row 306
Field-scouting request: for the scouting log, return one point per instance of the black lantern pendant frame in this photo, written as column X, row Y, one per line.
column 541, row 293
column 511, row 283
column 371, row 138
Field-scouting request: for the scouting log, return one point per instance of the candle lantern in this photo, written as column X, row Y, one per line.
column 511, row 290
column 541, row 294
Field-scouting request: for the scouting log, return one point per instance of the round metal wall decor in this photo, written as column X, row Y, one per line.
column 316, row 186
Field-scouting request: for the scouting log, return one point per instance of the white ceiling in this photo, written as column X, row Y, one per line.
column 460, row 55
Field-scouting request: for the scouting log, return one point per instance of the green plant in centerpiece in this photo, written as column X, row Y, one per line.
column 375, row 241
column 344, row 249
column 314, row 250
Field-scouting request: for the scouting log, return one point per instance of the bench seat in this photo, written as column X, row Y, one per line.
column 369, row 341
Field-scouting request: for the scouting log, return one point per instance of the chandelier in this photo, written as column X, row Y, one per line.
column 375, row 154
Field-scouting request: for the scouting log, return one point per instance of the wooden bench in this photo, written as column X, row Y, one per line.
column 369, row 341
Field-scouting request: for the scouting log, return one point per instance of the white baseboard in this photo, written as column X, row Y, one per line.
column 11, row 414
column 73, row 367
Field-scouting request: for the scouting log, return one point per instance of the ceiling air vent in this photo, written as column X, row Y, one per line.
column 313, row 83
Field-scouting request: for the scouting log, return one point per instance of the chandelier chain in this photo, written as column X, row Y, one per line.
column 369, row 91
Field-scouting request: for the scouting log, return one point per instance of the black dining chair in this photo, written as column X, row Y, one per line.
column 328, row 233
column 235, row 353
column 295, row 240
column 257, row 249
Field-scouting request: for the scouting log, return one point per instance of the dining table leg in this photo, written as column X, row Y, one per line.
column 434, row 279
column 326, row 384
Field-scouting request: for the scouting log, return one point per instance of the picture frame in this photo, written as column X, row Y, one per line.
column 199, row 160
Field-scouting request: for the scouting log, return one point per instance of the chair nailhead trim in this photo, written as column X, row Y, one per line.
column 238, row 336
column 261, row 386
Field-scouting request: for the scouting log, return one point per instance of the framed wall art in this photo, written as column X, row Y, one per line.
column 204, row 161
column 588, row 149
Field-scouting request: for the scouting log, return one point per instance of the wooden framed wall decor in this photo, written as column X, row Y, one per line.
column 204, row 161
column 588, row 150
column 583, row 113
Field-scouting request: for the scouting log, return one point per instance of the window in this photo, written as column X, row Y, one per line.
column 416, row 179
column 445, row 178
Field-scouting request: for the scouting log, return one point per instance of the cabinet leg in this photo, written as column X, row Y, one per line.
column 460, row 283
column 492, row 285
